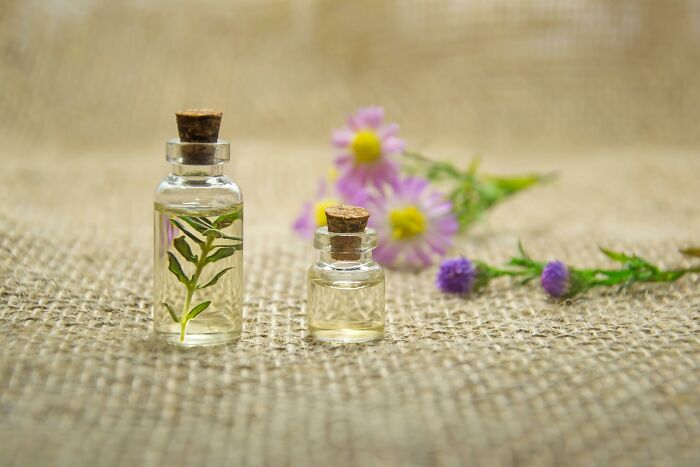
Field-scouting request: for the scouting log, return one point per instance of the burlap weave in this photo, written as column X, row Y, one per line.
column 501, row 378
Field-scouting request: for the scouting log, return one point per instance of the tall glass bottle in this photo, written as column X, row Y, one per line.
column 345, row 287
column 198, row 282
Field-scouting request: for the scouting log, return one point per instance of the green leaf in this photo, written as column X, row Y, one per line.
column 197, row 310
column 521, row 250
column 184, row 249
column 185, row 231
column 200, row 224
column 214, row 279
column 668, row 276
column 221, row 253
column 238, row 246
column 617, row 255
column 511, row 185
column 219, row 234
column 175, row 268
column 172, row 313
column 474, row 166
column 213, row 233
column 227, row 219
column 526, row 280
column 693, row 251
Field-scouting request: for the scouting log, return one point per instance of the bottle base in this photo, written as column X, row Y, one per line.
column 346, row 335
column 200, row 339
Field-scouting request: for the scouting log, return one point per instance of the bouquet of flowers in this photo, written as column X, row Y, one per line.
column 417, row 205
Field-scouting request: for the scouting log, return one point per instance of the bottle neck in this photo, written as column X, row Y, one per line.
column 187, row 170
column 363, row 257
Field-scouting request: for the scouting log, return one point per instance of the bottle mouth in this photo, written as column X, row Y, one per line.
column 348, row 243
column 179, row 152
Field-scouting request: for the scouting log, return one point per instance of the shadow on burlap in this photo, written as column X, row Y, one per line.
column 505, row 377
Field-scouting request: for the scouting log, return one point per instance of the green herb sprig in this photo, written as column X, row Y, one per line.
column 471, row 193
column 212, row 246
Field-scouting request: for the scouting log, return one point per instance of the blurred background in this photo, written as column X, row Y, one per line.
column 487, row 75
column 577, row 86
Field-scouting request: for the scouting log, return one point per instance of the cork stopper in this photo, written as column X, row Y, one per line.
column 198, row 125
column 346, row 219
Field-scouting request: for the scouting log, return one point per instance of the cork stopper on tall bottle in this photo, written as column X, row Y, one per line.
column 198, row 126
column 346, row 219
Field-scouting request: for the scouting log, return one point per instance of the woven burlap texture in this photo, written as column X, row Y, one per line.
column 602, row 92
column 501, row 378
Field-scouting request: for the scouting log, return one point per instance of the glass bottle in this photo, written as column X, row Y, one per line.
column 345, row 288
column 198, row 283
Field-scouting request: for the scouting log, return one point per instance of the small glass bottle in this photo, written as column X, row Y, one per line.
column 198, row 277
column 346, row 287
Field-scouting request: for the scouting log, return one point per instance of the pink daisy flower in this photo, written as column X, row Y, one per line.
column 414, row 222
column 368, row 147
column 313, row 213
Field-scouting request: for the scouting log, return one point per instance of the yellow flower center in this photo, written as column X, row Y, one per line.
column 366, row 146
column 320, row 210
column 406, row 223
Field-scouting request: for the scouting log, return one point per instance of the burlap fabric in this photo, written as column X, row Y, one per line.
column 504, row 377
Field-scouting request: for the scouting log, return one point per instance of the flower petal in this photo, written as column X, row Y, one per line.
column 343, row 160
column 393, row 145
column 386, row 253
column 342, row 137
column 370, row 117
column 389, row 130
column 304, row 224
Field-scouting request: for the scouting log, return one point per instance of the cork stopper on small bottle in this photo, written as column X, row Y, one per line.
column 346, row 219
column 198, row 126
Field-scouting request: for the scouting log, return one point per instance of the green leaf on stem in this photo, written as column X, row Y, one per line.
column 214, row 279
column 200, row 224
column 197, row 310
column 185, row 231
column 618, row 256
column 176, row 269
column 237, row 246
column 510, row 185
column 474, row 166
column 471, row 194
column 668, row 276
column 184, row 249
column 521, row 250
column 693, row 251
column 171, row 311
column 227, row 219
column 214, row 233
column 221, row 253
column 526, row 280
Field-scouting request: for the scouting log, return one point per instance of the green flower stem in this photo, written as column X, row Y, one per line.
column 471, row 193
column 211, row 231
column 193, row 286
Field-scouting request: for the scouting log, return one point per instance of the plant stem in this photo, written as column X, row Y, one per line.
column 193, row 286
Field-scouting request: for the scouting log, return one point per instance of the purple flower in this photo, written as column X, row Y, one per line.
column 313, row 213
column 367, row 147
column 456, row 276
column 413, row 221
column 555, row 279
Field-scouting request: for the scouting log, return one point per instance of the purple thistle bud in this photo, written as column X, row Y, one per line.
column 555, row 279
column 456, row 276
